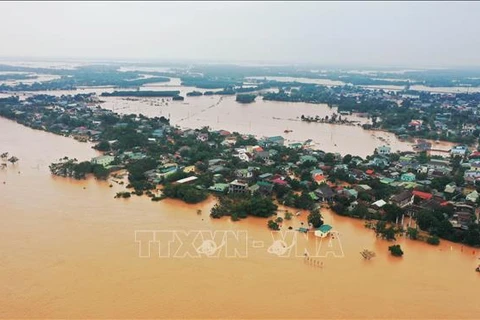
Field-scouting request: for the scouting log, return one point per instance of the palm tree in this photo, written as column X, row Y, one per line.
column 4, row 155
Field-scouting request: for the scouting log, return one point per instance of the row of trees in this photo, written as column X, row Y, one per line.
column 78, row 170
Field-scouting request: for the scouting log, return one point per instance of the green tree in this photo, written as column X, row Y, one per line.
column 288, row 215
column 433, row 240
column 272, row 225
column 396, row 250
column 315, row 218
column 412, row 233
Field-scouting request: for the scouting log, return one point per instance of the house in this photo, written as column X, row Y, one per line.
column 186, row 180
column 403, row 199
column 276, row 140
column 103, row 160
column 472, row 197
column 264, row 187
column 475, row 166
column 422, row 195
column 323, row 231
column 158, row 133
column 189, row 169
column 438, row 164
column 238, row 186
column 213, row 162
column 243, row 156
column 216, row 168
column 408, row 177
column 318, row 178
column 462, row 219
column 379, row 203
column 363, row 187
column 324, row 193
column 265, row 176
column 379, row 162
column 383, row 150
column 244, row 173
column 471, row 176
column 202, row 137
column 168, row 169
column 415, row 124
column 280, row 182
column 295, row 145
column 350, row 193
column 450, row 188
column 264, row 155
column 219, row 187
column 458, row 151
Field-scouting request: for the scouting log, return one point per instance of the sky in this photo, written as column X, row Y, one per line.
column 409, row 34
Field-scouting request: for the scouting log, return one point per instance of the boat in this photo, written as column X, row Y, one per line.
column 288, row 131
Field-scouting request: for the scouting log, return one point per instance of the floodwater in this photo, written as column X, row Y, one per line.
column 324, row 82
column 262, row 118
column 68, row 250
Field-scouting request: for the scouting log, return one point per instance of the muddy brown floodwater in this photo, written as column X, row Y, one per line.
column 67, row 249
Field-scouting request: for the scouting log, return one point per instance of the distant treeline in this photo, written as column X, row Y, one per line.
column 16, row 76
column 82, row 76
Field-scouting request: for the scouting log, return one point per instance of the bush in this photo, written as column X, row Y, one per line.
column 123, row 195
column 272, row 225
column 288, row 215
column 433, row 240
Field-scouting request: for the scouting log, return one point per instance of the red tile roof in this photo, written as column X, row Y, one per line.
column 280, row 181
column 423, row 195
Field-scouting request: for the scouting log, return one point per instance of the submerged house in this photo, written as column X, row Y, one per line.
column 323, row 231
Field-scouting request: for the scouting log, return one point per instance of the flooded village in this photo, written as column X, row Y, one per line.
column 119, row 170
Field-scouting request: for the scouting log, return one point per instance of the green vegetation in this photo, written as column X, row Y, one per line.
column 272, row 225
column 123, row 194
column 245, row 98
column 194, row 94
column 93, row 75
column 412, row 233
column 433, row 240
column 72, row 168
column 288, row 215
column 315, row 218
column 396, row 250
column 244, row 206
column 185, row 192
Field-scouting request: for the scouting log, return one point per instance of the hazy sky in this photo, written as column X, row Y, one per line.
column 369, row 33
